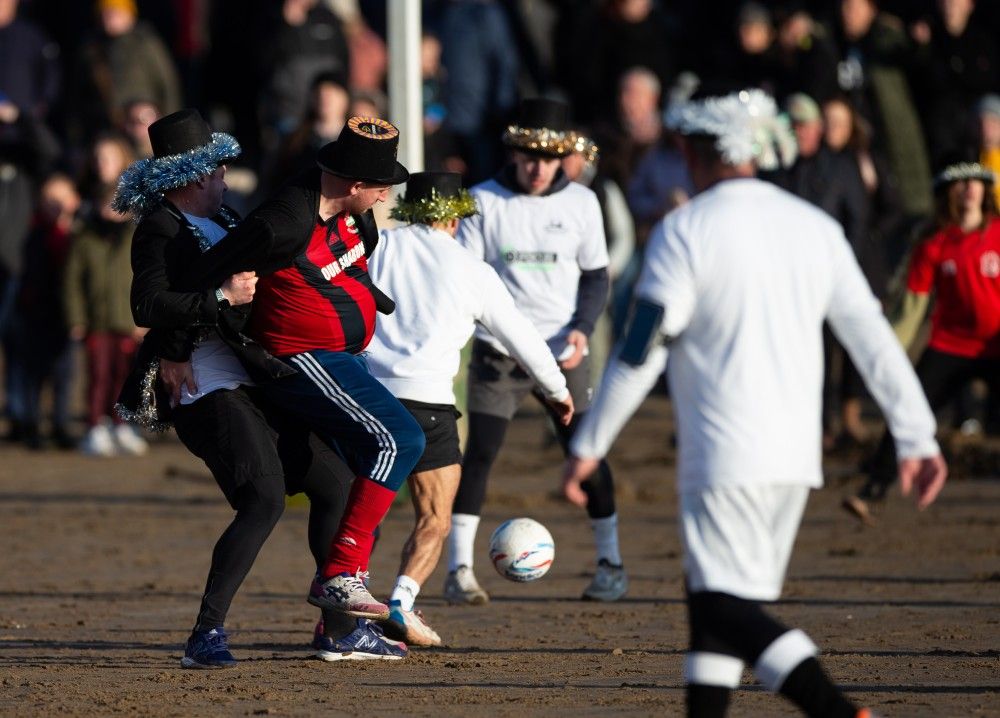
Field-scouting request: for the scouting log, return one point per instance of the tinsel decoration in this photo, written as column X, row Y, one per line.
column 584, row 145
column 964, row 171
column 541, row 140
column 435, row 208
column 746, row 125
column 146, row 414
column 142, row 185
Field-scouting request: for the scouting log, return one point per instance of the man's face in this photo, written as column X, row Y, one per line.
column 989, row 130
column 214, row 187
column 534, row 173
column 809, row 135
column 857, row 17
column 966, row 196
column 364, row 196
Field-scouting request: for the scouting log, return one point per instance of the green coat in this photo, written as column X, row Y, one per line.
column 98, row 278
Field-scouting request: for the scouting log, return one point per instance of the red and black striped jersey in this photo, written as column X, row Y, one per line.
column 323, row 300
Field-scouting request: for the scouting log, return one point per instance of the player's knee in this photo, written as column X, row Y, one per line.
column 433, row 528
column 263, row 496
column 410, row 441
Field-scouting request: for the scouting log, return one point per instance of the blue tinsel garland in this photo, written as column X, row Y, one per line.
column 142, row 185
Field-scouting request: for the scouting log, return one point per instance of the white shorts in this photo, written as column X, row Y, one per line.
column 738, row 540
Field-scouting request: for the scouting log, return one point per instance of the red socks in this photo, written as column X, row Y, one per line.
column 366, row 507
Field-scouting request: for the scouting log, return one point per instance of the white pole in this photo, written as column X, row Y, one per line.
column 405, row 96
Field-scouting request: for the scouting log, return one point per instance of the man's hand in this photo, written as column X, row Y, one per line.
column 575, row 472
column 239, row 288
column 174, row 375
column 563, row 408
column 578, row 341
column 927, row 475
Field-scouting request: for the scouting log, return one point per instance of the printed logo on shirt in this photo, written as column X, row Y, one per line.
column 989, row 264
column 346, row 260
column 949, row 268
column 538, row 261
column 555, row 227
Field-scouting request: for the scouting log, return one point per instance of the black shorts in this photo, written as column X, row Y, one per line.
column 440, row 425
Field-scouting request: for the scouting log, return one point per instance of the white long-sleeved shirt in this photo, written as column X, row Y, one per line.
column 441, row 291
column 538, row 245
column 746, row 274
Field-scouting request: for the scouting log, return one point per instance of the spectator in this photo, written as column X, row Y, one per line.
column 41, row 352
column 875, row 56
column 97, row 307
column 368, row 103
column 988, row 115
column 957, row 65
column 807, row 56
column 440, row 148
column 635, row 127
column 29, row 63
column 306, row 40
column 138, row 115
column 753, row 62
column 127, row 59
column 322, row 122
column 481, row 82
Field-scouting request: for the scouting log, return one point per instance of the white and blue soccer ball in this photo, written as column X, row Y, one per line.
column 522, row 550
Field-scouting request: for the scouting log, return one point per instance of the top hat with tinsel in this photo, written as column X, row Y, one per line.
column 184, row 150
column 957, row 167
column 364, row 151
column 542, row 128
column 434, row 197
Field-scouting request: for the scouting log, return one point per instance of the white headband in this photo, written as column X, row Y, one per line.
column 746, row 125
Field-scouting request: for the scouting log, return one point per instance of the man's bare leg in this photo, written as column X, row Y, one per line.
column 433, row 493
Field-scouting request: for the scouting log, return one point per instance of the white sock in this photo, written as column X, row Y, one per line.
column 405, row 592
column 461, row 540
column 606, row 539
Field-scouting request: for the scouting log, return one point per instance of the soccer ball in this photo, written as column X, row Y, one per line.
column 522, row 550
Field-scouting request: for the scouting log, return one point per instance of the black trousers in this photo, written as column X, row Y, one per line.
column 257, row 454
column 942, row 377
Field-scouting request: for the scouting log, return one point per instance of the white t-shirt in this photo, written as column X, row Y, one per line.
column 747, row 273
column 538, row 246
column 441, row 291
column 213, row 363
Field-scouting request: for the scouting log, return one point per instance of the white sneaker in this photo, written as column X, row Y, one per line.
column 348, row 594
column 609, row 584
column 98, row 442
column 128, row 440
column 461, row 587
column 409, row 627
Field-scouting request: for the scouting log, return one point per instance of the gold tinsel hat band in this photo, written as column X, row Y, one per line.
column 537, row 140
column 584, row 145
column 434, row 197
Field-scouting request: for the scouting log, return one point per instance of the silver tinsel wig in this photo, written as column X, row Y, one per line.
column 142, row 185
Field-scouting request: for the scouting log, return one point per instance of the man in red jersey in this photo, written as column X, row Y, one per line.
column 314, row 309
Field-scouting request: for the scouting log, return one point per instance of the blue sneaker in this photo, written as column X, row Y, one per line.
column 365, row 643
column 208, row 649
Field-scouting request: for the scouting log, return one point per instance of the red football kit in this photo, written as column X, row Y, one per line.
column 963, row 269
column 323, row 300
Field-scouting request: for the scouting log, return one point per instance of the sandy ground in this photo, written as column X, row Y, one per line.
column 104, row 560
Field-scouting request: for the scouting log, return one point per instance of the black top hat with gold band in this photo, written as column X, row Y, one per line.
column 541, row 129
column 434, row 197
column 184, row 150
column 364, row 151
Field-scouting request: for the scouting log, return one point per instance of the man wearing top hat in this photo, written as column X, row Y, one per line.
column 197, row 369
column 544, row 236
column 416, row 351
column 314, row 309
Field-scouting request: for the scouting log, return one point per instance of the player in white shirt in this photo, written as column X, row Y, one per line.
column 442, row 291
column 735, row 288
column 544, row 235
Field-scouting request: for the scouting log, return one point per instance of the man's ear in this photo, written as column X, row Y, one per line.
column 356, row 187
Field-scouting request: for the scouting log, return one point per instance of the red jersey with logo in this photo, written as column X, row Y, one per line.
column 323, row 300
column 963, row 270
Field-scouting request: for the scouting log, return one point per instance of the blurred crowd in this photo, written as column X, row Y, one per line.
column 880, row 95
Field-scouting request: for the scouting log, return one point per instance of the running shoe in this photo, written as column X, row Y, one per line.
column 609, row 583
column 461, row 587
column 348, row 594
column 409, row 626
column 364, row 643
column 208, row 649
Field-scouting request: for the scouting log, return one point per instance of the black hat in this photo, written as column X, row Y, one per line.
column 958, row 166
column 365, row 151
column 541, row 128
column 434, row 197
column 184, row 150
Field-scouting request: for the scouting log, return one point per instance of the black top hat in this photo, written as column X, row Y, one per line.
column 541, row 128
column 434, row 197
column 365, row 151
column 179, row 132
column 959, row 166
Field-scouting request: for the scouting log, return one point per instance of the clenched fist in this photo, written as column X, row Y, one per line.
column 239, row 288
